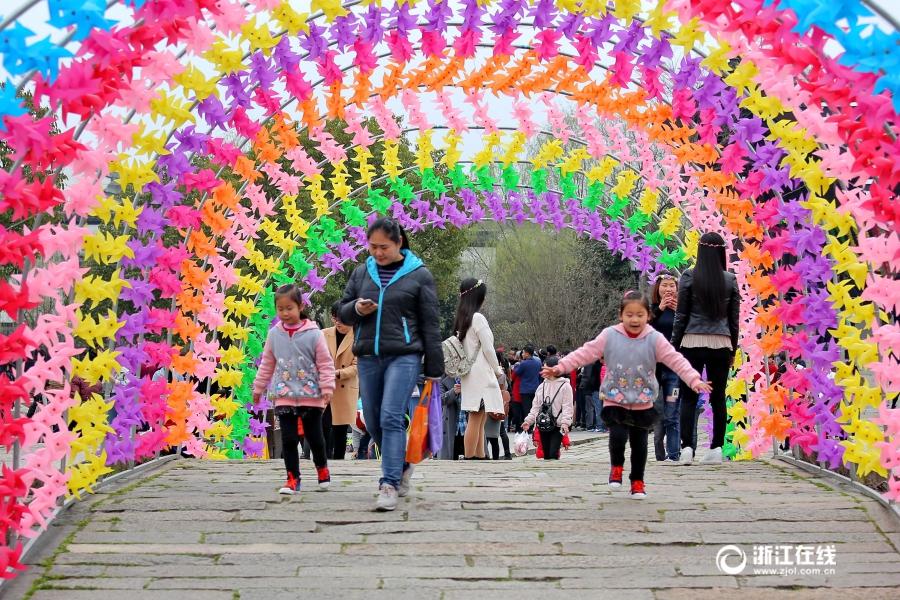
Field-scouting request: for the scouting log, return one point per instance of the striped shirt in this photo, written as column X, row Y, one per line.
column 385, row 274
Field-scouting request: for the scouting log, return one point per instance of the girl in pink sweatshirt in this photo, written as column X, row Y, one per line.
column 631, row 349
column 296, row 356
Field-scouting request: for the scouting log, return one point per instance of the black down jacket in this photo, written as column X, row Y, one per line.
column 406, row 321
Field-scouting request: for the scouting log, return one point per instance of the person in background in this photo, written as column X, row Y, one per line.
column 342, row 410
column 450, row 397
column 505, row 392
column 557, row 391
column 516, row 416
column 706, row 331
column 481, row 393
column 529, row 371
column 391, row 301
column 666, row 434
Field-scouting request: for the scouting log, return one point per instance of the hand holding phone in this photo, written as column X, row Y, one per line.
column 364, row 306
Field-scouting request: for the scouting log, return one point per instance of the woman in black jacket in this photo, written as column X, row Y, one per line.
column 391, row 302
column 706, row 328
column 666, row 438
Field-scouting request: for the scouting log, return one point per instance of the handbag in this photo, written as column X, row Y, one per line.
column 505, row 413
column 417, row 445
column 435, row 418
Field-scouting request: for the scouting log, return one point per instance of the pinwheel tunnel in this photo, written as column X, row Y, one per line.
column 220, row 124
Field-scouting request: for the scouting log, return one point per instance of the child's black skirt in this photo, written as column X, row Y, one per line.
column 646, row 418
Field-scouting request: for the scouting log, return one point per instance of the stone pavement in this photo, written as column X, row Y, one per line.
column 526, row 529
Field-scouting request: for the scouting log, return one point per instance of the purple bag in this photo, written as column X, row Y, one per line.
column 435, row 419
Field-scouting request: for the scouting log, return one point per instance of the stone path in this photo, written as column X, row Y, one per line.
column 526, row 529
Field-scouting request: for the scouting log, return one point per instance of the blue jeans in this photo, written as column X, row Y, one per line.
column 598, row 406
column 386, row 385
column 669, row 427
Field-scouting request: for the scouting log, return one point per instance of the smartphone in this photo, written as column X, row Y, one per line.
column 366, row 302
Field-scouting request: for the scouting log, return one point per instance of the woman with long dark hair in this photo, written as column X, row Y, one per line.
column 480, row 386
column 664, row 301
column 705, row 331
column 392, row 304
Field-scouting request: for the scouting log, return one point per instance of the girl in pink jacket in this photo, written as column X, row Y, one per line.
column 556, row 391
column 631, row 350
column 300, row 369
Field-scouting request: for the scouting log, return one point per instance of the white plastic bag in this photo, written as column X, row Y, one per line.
column 521, row 443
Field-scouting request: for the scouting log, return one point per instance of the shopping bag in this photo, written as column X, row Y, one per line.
column 520, row 444
column 417, row 444
column 435, row 418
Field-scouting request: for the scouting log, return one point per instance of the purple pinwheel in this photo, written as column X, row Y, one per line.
column 237, row 90
column 570, row 25
column 347, row 252
column 544, row 14
column 372, row 25
column 314, row 42
column 151, row 220
column 135, row 324
column 312, row 279
column 213, row 112
column 599, row 30
column 402, row 20
column 359, row 236
column 262, row 71
column 332, row 262
column 257, row 428
column 433, row 216
column 140, row 292
column 749, row 130
column 285, row 58
column 132, row 357
column 688, row 73
column 472, row 14
column 144, row 256
column 439, row 14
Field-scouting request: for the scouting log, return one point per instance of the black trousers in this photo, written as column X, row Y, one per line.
column 504, row 437
column 515, row 415
column 335, row 437
column 494, row 444
column 312, row 432
column 525, row 407
column 619, row 435
column 550, row 443
column 718, row 364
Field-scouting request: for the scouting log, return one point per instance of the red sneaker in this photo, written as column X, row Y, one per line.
column 324, row 477
column 637, row 490
column 615, row 477
column 291, row 487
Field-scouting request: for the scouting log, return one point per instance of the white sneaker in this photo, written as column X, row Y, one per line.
column 713, row 455
column 387, row 501
column 687, row 455
column 403, row 490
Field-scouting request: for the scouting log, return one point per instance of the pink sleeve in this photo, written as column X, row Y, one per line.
column 568, row 407
column 590, row 352
column 535, row 407
column 672, row 358
column 325, row 364
column 266, row 369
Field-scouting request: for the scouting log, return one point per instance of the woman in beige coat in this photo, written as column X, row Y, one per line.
column 342, row 410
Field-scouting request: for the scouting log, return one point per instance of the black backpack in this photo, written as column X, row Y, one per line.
column 546, row 420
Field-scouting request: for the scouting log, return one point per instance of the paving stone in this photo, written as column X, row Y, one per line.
column 143, row 537
column 246, row 583
column 722, row 581
column 283, row 538
column 208, row 549
column 568, row 594
column 339, row 594
column 101, row 583
column 73, row 557
column 523, row 529
column 187, row 594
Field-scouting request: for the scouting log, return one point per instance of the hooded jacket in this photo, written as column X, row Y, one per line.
column 406, row 321
column 300, row 364
column 620, row 381
column 563, row 406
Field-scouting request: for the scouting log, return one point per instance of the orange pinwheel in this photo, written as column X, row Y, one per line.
column 760, row 283
column 186, row 328
column 244, row 167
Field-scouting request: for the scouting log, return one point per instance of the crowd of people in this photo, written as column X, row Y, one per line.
column 367, row 372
